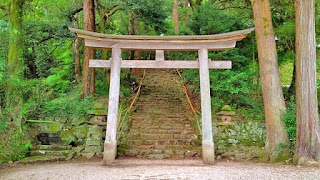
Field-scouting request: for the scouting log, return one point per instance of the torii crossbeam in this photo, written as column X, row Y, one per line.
column 202, row 44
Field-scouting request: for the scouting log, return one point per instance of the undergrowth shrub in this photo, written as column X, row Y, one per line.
column 290, row 123
column 14, row 145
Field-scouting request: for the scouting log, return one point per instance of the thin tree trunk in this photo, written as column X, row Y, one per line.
column 134, row 30
column 185, row 13
column 102, row 28
column 175, row 15
column 15, row 63
column 76, row 51
column 88, row 84
column 274, row 103
column 104, row 56
column 308, row 134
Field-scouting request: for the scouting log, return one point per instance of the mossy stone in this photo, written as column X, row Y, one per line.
column 67, row 137
column 98, row 106
column 226, row 108
column 51, row 127
column 78, row 121
column 226, row 113
column 80, row 131
column 98, row 112
column 93, row 149
column 61, row 119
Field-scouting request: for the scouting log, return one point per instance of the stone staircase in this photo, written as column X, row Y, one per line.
column 47, row 153
column 160, row 127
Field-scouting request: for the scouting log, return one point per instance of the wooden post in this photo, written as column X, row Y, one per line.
column 207, row 139
column 159, row 55
column 110, row 144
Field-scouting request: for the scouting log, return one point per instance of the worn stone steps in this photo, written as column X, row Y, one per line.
column 42, row 158
column 49, row 152
column 160, row 131
column 165, row 115
column 159, row 126
column 52, row 147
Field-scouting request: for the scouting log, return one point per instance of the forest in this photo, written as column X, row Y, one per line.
column 44, row 72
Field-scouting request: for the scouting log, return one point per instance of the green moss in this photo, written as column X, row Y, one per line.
column 98, row 112
column 51, row 127
column 67, row 137
column 80, row 131
column 98, row 106
column 226, row 108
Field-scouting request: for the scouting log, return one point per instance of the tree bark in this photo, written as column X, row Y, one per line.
column 88, row 84
column 274, row 104
column 185, row 12
column 15, row 63
column 135, row 30
column 76, row 51
column 308, row 134
column 175, row 16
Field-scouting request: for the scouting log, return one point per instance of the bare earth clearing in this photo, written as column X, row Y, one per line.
column 157, row 169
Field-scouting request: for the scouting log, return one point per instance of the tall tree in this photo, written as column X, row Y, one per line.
column 185, row 12
column 88, row 82
column 105, row 14
column 76, row 51
column 274, row 103
column 134, row 30
column 308, row 134
column 15, row 62
column 175, row 15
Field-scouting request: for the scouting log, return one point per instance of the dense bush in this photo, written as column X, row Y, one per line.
column 14, row 144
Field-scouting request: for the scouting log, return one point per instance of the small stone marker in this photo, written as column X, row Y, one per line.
column 226, row 116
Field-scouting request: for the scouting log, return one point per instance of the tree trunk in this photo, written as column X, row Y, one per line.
column 104, row 55
column 15, row 63
column 76, row 51
column 175, row 16
column 308, row 134
column 135, row 30
column 274, row 103
column 88, row 84
column 185, row 12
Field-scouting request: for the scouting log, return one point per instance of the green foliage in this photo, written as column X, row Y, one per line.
column 210, row 20
column 152, row 13
column 14, row 145
column 67, row 105
column 290, row 123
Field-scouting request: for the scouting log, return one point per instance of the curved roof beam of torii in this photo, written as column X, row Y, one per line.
column 170, row 43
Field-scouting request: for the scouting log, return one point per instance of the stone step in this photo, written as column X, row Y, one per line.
column 161, row 131
column 163, row 153
column 159, row 125
column 149, row 143
column 45, row 158
column 165, row 116
column 52, row 147
column 49, row 152
column 161, row 100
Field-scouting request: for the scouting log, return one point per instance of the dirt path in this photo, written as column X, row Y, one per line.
column 157, row 169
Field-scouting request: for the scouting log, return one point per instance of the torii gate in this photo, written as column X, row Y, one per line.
column 202, row 44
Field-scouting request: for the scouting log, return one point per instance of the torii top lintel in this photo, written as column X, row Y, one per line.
column 169, row 43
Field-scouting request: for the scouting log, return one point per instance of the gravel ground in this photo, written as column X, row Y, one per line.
column 157, row 169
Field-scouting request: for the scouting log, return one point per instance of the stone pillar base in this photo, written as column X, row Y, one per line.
column 208, row 153
column 110, row 152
